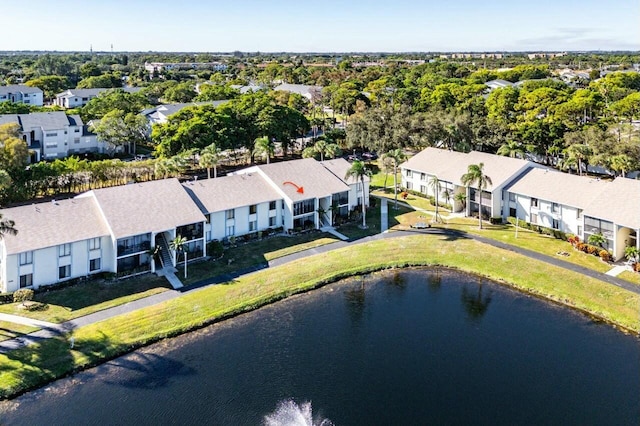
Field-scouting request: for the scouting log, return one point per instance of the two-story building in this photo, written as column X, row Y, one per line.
column 77, row 98
column 21, row 94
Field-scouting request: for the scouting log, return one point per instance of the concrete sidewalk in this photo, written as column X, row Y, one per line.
column 53, row 330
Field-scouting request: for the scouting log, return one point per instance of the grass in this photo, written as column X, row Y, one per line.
column 84, row 299
column 633, row 277
column 9, row 330
column 253, row 254
column 28, row 367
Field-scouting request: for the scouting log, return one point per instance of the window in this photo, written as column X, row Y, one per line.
column 76, row 130
column 64, row 250
column 408, row 173
column 302, row 207
column 94, row 265
column 579, row 214
column 512, row 197
column 51, row 135
column 231, row 214
column 555, row 208
column 253, row 209
column 423, row 189
column 94, row 244
column 64, row 272
column 272, row 205
column 272, row 221
column 51, row 145
column 423, row 176
column 409, row 185
column 26, row 280
column 512, row 212
column 26, row 258
column 534, row 202
column 579, row 230
column 253, row 225
column 555, row 224
column 76, row 140
column 231, row 230
column 534, row 218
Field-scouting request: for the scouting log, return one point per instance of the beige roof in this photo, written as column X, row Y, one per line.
column 307, row 173
column 557, row 187
column 229, row 192
column 435, row 161
column 449, row 166
column 339, row 167
column 619, row 203
column 53, row 223
column 139, row 208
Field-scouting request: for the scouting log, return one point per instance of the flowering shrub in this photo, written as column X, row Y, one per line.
column 605, row 255
column 592, row 250
column 574, row 240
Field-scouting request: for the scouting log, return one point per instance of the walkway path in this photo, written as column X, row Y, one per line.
column 56, row 329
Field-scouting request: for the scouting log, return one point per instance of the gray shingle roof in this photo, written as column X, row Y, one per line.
column 229, row 192
column 308, row 173
column 139, row 208
column 499, row 168
column 9, row 118
column 18, row 88
column 619, row 203
column 301, row 89
column 557, row 187
column 46, row 120
column 87, row 93
column 50, row 224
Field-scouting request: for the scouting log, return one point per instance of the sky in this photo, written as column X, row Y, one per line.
column 320, row 26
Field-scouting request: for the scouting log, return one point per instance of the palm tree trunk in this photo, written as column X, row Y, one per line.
column 480, row 209
column 208, row 172
column 395, row 186
column 215, row 172
column 364, row 210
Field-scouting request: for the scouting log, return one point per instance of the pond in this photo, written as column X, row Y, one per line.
column 400, row 347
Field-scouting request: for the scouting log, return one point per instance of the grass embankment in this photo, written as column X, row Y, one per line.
column 32, row 366
column 86, row 298
column 9, row 330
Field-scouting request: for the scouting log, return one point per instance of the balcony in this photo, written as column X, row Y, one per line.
column 124, row 249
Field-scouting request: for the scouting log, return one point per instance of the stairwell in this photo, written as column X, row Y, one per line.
column 165, row 254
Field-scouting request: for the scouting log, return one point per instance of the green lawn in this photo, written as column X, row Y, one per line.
column 86, row 298
column 633, row 277
column 9, row 330
column 254, row 253
column 34, row 365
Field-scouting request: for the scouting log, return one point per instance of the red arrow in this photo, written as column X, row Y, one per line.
column 300, row 189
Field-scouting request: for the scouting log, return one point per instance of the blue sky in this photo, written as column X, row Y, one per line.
column 320, row 26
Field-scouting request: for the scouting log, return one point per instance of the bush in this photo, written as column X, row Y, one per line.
column 496, row 220
column 23, row 295
column 6, row 298
column 636, row 267
column 215, row 248
column 592, row 249
column 605, row 255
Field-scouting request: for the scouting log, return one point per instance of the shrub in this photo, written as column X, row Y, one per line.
column 582, row 247
column 636, row 267
column 215, row 248
column 605, row 255
column 592, row 249
column 23, row 295
column 496, row 220
column 6, row 298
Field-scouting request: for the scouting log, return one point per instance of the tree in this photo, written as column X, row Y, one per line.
column 263, row 148
column 475, row 176
column 50, row 85
column 331, row 150
column 7, row 227
column 461, row 197
column 179, row 245
column 397, row 156
column 119, row 129
column 210, row 158
column 359, row 171
column 434, row 183
column 597, row 239
column 580, row 153
column 621, row 163
column 14, row 152
column 108, row 80
column 511, row 149
column 182, row 92
column 631, row 253
column 115, row 99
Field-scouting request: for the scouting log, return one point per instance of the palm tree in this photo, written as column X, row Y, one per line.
column 330, row 150
column 397, row 156
column 461, row 197
column 7, row 227
column 579, row 153
column 511, row 149
column 621, row 163
column 179, row 245
column 262, row 147
column 210, row 158
column 475, row 176
column 631, row 253
column 434, row 183
column 597, row 239
column 447, row 197
column 358, row 171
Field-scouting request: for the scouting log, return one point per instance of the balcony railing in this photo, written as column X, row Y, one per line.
column 135, row 248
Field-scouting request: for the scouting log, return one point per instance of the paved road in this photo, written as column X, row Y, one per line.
column 68, row 326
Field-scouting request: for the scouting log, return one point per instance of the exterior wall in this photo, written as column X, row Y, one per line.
column 60, row 143
column 23, row 98
column 569, row 219
column 47, row 261
column 66, row 101
column 217, row 228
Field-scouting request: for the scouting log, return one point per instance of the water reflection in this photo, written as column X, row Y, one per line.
column 146, row 371
column 474, row 302
column 356, row 298
column 434, row 281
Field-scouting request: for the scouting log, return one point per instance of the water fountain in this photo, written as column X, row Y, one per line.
column 289, row 413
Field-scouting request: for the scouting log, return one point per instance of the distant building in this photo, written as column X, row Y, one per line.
column 51, row 135
column 21, row 94
column 160, row 114
column 498, row 84
column 161, row 67
column 76, row 98
column 309, row 92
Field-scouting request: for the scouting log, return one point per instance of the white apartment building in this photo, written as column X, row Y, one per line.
column 21, row 94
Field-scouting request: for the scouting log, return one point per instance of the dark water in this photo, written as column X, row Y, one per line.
column 400, row 348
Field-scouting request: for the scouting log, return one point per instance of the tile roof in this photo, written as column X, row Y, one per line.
column 53, row 223
column 558, row 187
column 46, row 120
column 308, row 173
column 229, row 192
column 619, row 203
column 153, row 206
